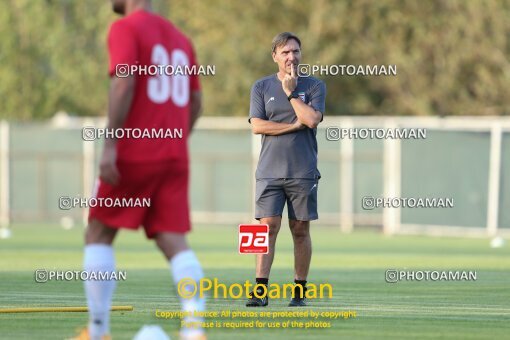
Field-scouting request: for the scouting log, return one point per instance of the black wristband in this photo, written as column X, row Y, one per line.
column 292, row 95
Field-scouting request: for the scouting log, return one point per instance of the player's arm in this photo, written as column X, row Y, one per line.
column 120, row 98
column 122, row 50
column 196, row 108
column 306, row 114
column 266, row 127
column 196, row 92
column 260, row 123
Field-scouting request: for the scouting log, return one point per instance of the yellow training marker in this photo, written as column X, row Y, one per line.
column 59, row 309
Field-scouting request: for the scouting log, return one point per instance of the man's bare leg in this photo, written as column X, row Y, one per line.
column 99, row 257
column 171, row 244
column 99, row 233
column 302, row 248
column 265, row 261
column 184, row 264
column 302, row 256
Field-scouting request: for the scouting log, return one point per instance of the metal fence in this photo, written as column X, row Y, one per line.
column 462, row 158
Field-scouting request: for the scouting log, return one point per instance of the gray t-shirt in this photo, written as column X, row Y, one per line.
column 293, row 155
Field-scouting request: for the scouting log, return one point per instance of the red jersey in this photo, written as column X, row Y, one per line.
column 161, row 102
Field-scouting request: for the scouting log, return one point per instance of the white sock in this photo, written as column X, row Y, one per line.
column 99, row 257
column 185, row 265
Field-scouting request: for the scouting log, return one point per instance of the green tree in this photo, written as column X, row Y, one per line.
column 451, row 55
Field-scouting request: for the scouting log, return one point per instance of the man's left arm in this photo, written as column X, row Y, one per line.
column 310, row 115
column 306, row 114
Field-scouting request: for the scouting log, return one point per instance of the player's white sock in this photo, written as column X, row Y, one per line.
column 185, row 265
column 99, row 257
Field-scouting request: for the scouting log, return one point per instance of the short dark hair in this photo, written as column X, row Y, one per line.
column 282, row 38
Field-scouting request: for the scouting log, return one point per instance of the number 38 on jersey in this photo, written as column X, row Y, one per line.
column 162, row 87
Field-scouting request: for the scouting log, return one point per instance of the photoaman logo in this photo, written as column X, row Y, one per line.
column 188, row 288
column 253, row 239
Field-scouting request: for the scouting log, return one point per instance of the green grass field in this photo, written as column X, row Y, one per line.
column 353, row 264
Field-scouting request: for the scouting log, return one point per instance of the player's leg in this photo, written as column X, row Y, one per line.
column 168, row 222
column 184, row 264
column 136, row 182
column 265, row 261
column 99, row 257
column 171, row 244
column 302, row 254
column 270, row 200
column 302, row 206
column 302, row 248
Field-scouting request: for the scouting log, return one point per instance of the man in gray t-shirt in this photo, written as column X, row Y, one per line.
column 286, row 109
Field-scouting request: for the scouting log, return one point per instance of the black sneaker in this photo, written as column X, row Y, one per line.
column 298, row 300
column 254, row 301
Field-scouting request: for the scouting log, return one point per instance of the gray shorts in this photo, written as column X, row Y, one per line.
column 299, row 193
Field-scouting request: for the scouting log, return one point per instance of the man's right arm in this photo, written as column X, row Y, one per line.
column 266, row 127
column 260, row 123
column 122, row 51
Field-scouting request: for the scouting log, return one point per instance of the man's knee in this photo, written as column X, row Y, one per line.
column 171, row 243
column 97, row 232
column 300, row 229
column 273, row 230
column 274, row 224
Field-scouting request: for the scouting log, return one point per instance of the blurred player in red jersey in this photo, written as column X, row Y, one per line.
column 153, row 168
